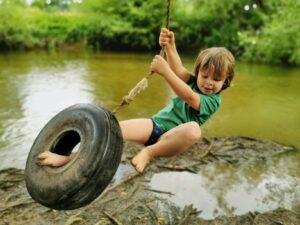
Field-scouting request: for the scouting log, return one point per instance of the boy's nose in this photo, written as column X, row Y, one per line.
column 209, row 82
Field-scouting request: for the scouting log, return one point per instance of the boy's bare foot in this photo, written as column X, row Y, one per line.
column 52, row 159
column 141, row 160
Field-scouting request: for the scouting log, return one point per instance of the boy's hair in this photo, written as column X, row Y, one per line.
column 217, row 60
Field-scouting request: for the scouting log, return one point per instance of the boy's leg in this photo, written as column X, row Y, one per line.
column 138, row 130
column 170, row 143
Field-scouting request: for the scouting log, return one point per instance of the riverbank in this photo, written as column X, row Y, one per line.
column 132, row 200
column 250, row 32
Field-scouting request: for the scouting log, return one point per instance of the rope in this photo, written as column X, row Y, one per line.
column 142, row 85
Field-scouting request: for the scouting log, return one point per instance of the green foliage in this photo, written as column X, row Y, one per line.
column 37, row 29
column 123, row 25
column 214, row 23
column 279, row 40
column 52, row 5
column 263, row 31
column 13, row 2
column 12, row 27
column 56, row 30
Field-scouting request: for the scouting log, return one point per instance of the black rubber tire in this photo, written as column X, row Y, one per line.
column 83, row 179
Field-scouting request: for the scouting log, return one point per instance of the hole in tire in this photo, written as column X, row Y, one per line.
column 66, row 143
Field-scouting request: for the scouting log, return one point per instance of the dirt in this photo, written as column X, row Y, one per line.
column 132, row 201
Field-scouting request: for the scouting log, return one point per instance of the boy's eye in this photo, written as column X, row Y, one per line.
column 216, row 79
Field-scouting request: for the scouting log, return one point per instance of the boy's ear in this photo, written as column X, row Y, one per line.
column 226, row 84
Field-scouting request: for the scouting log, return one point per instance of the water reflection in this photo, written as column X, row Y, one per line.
column 41, row 94
column 233, row 190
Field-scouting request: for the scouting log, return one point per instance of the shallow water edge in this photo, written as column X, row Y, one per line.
column 221, row 174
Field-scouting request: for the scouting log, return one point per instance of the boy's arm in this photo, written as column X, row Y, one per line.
column 181, row 89
column 167, row 40
column 176, row 64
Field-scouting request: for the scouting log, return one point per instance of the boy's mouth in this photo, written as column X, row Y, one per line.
column 207, row 90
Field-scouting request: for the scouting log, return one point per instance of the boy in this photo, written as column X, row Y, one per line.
column 177, row 126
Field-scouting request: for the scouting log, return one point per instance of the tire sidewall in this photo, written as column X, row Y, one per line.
column 86, row 176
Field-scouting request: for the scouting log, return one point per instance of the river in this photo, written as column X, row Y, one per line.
column 264, row 103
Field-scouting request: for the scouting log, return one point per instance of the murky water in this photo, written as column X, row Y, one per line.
column 264, row 103
column 225, row 189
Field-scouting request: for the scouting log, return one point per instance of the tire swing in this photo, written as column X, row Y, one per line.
column 97, row 133
column 81, row 180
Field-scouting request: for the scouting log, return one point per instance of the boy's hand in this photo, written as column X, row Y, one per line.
column 166, row 38
column 159, row 65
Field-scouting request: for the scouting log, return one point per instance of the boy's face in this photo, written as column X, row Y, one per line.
column 208, row 83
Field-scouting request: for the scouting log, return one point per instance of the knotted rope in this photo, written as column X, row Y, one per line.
column 142, row 85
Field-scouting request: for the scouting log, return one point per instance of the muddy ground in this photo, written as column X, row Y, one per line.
column 132, row 201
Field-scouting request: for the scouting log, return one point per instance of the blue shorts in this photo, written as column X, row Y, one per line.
column 155, row 135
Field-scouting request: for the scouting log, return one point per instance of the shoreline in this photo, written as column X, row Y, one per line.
column 132, row 201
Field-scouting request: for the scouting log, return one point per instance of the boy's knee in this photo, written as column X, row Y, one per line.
column 194, row 132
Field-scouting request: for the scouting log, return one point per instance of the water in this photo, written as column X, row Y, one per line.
column 225, row 189
column 264, row 103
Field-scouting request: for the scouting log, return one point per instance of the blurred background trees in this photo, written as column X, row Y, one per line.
column 264, row 31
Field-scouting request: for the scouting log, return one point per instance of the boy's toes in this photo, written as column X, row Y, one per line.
column 134, row 161
column 139, row 169
column 45, row 162
column 43, row 155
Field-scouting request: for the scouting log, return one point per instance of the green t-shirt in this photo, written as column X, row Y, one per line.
column 178, row 111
